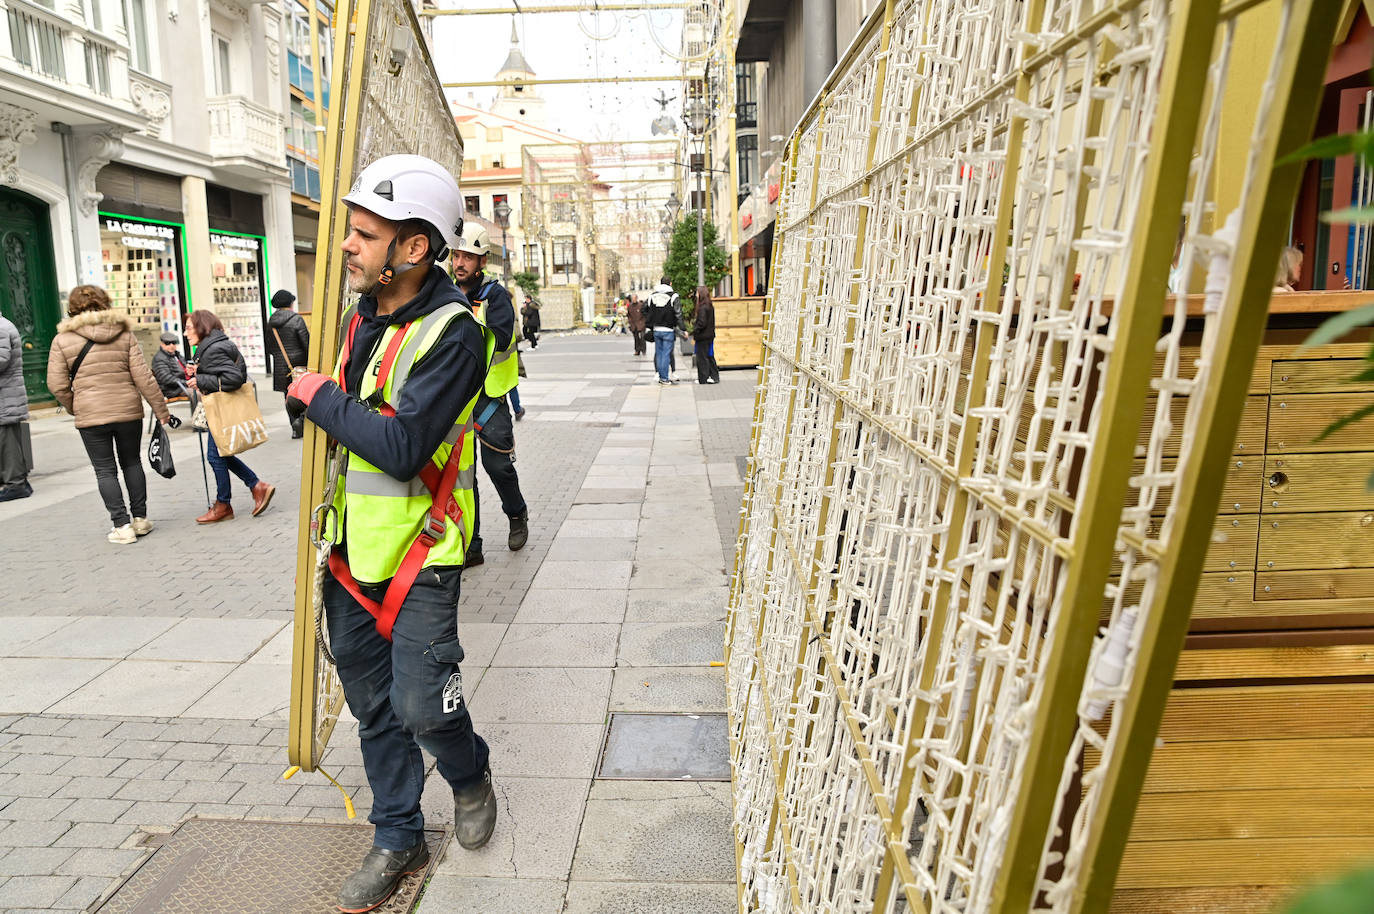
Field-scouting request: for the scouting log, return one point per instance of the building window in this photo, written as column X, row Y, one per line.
column 37, row 42
column 532, row 258
column 469, row 165
column 97, row 17
column 301, row 135
column 136, row 25
column 748, row 147
column 564, row 258
column 494, row 134
column 98, row 68
column 498, row 198
column 223, row 83
column 473, row 204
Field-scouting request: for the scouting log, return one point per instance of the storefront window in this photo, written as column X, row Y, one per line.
column 236, row 270
column 142, row 262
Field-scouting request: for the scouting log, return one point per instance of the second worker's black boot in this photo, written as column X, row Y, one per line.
column 473, row 557
column 519, row 531
column 474, row 812
column 380, row 873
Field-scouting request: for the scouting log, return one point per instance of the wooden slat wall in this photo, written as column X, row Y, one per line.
column 1263, row 779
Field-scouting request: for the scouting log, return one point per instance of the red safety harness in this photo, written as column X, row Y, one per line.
column 444, row 506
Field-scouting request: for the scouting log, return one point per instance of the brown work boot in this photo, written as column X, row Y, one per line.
column 262, row 497
column 220, row 511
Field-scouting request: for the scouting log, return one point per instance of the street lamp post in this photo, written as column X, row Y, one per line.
column 502, row 210
column 672, row 206
column 695, row 116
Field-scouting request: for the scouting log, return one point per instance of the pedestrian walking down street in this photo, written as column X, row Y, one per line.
column 704, row 336
column 295, row 336
column 530, row 315
column 662, row 319
column 96, row 370
column 14, row 412
column 492, row 305
column 219, row 367
column 401, row 405
column 170, row 368
column 634, row 316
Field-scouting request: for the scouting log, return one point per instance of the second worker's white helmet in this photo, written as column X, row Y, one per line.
column 474, row 240
column 401, row 187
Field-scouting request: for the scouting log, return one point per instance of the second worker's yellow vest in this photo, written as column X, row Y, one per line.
column 504, row 372
column 379, row 515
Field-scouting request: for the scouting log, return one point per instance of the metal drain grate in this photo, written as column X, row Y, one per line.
column 229, row 866
column 666, row 747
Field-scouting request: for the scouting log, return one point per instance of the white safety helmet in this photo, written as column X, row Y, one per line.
column 474, row 240
column 400, row 187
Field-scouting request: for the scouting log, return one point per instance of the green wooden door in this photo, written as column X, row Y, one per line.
column 28, row 283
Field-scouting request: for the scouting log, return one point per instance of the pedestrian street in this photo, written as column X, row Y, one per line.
column 147, row 684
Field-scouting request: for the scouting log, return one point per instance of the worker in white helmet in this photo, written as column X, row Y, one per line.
column 400, row 402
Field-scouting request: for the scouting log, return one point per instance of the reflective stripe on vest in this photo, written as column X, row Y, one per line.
column 504, row 372
column 381, row 516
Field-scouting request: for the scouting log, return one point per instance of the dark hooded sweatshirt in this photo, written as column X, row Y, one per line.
column 440, row 385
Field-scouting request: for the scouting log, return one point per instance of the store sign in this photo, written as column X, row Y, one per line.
column 140, row 234
column 236, row 246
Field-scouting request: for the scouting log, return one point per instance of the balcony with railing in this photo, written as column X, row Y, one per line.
column 45, row 46
column 245, row 133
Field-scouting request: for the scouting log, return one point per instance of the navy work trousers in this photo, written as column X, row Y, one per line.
column 407, row 693
column 499, row 432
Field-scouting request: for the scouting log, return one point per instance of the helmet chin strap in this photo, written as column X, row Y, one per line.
column 389, row 272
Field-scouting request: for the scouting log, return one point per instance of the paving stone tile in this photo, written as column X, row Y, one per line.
column 93, row 809
column 668, row 689
column 554, row 604
column 539, row 644
column 583, row 575
column 96, row 861
column 544, row 750
column 33, row 809
column 85, row 891
column 37, row 785
column 677, row 604
column 21, row 631
column 457, row 895
column 591, row 549
column 96, row 834
column 548, row 695
column 536, row 831
column 623, row 511
column 479, row 640
column 148, row 688
column 91, row 788
column 669, row 644
column 656, row 831
column 32, row 832
column 99, row 637
column 30, row 686
column 35, row 891
column 209, row 640
column 656, row 898
column 32, row 861
column 253, row 691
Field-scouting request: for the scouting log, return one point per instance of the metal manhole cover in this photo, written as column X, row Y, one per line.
column 666, row 747
column 229, row 866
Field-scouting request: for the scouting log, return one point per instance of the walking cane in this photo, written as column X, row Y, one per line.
column 200, row 439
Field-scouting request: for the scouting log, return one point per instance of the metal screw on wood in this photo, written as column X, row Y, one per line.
column 1266, row 588
column 1236, row 506
column 1230, row 580
column 1275, row 525
column 1270, row 564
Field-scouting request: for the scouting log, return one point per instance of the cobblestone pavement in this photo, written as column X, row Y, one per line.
column 141, row 685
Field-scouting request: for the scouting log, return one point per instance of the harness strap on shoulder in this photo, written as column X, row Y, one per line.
column 485, row 416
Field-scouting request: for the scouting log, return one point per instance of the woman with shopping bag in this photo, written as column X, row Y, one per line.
column 219, row 371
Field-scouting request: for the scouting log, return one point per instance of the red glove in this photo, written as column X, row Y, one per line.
column 306, row 386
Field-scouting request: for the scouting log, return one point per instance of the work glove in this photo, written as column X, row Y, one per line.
column 304, row 385
column 173, row 422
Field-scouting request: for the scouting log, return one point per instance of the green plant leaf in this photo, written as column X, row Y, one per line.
column 1328, row 147
column 1351, row 215
column 1348, row 419
column 1353, row 894
column 1338, row 325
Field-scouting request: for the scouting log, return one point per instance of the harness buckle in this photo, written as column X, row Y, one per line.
column 434, row 529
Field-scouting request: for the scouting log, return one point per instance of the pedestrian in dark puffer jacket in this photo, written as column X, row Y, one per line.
column 219, row 367
column 104, row 392
column 14, row 412
column 169, row 367
column 295, row 336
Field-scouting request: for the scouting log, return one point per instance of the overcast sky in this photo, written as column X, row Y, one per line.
column 557, row 46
